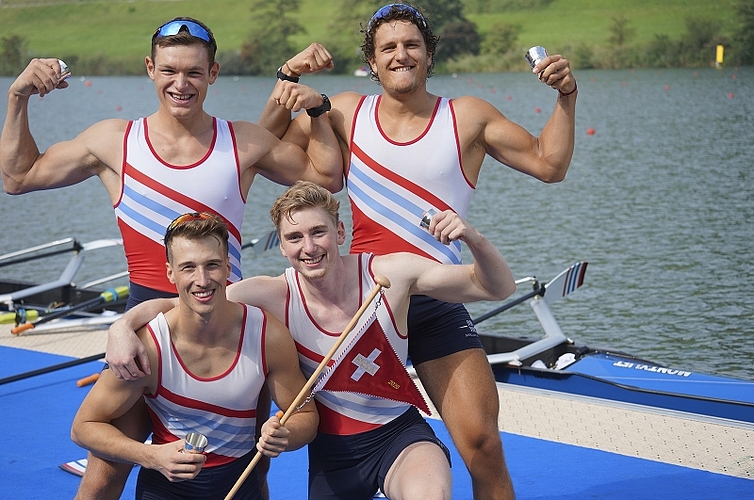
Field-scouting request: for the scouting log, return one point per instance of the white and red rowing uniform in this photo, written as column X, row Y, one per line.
column 342, row 413
column 392, row 184
column 223, row 408
column 155, row 192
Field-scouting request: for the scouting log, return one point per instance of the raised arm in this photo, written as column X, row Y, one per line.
column 285, row 381
column 125, row 353
column 488, row 278
column 286, row 97
column 286, row 162
column 24, row 168
column 557, row 136
column 485, row 130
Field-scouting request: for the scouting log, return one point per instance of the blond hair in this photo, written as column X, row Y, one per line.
column 303, row 194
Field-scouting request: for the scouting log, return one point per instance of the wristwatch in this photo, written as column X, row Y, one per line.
column 322, row 108
column 288, row 78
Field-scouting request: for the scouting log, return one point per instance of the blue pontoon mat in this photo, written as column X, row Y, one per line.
column 37, row 414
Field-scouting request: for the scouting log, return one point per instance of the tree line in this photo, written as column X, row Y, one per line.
column 461, row 48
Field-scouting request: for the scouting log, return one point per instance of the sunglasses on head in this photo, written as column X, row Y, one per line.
column 383, row 11
column 186, row 218
column 173, row 27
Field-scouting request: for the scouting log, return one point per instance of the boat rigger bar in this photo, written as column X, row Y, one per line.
column 66, row 278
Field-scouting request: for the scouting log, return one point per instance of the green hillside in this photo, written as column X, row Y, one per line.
column 120, row 29
column 573, row 22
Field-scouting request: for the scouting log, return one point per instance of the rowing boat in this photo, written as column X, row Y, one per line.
column 554, row 362
column 16, row 294
column 60, row 303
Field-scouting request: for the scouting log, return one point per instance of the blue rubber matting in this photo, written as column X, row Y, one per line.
column 37, row 414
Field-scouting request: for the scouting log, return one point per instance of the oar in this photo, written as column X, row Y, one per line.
column 48, row 369
column 101, row 355
column 561, row 285
column 381, row 282
column 110, row 295
column 27, row 313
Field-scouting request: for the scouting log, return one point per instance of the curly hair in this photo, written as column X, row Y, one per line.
column 397, row 12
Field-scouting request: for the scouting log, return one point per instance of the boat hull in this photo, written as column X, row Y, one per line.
column 620, row 377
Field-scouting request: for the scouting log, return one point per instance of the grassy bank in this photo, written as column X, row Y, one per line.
column 120, row 29
column 573, row 22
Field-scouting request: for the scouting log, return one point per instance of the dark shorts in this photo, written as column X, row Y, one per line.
column 354, row 467
column 138, row 294
column 212, row 483
column 437, row 329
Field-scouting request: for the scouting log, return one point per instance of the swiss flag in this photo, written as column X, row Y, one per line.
column 370, row 366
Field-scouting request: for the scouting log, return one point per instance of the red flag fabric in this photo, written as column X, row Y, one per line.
column 370, row 366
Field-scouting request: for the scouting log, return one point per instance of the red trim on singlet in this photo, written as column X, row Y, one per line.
column 238, row 162
column 396, row 143
column 181, row 167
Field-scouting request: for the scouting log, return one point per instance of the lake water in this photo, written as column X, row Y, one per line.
column 659, row 201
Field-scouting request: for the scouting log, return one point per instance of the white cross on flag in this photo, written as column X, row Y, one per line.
column 369, row 365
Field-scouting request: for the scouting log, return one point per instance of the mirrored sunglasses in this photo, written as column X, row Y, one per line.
column 194, row 29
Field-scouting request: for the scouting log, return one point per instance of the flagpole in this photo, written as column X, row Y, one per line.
column 380, row 283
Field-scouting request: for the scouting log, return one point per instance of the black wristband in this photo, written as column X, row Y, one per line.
column 563, row 94
column 322, row 108
column 287, row 78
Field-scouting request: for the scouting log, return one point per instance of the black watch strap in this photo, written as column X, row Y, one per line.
column 283, row 76
column 322, row 108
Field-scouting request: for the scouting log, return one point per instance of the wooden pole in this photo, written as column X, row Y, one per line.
column 381, row 282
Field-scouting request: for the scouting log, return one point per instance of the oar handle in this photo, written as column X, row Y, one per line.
column 17, row 330
column 381, row 282
column 87, row 380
